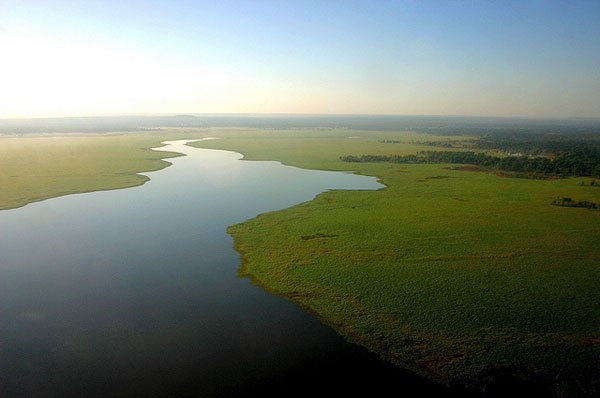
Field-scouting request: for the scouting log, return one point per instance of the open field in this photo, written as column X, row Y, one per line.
column 461, row 276
column 34, row 168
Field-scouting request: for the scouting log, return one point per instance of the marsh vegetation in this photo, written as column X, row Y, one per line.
column 461, row 277
column 456, row 275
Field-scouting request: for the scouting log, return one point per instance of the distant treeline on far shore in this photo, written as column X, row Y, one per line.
column 580, row 162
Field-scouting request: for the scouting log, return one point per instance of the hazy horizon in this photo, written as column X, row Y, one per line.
column 435, row 124
column 533, row 59
column 293, row 114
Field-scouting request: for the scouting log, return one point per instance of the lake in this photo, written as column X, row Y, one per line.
column 134, row 292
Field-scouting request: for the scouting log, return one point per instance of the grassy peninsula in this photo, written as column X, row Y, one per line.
column 462, row 276
column 37, row 167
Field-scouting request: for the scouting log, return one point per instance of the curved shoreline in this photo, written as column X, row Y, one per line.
column 298, row 297
column 460, row 359
column 341, row 329
column 138, row 174
column 197, row 291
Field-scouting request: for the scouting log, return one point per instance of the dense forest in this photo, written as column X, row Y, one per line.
column 578, row 162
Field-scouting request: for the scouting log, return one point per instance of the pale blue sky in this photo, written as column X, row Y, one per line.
column 498, row 58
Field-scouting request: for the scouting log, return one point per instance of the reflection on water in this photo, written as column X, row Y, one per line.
column 134, row 292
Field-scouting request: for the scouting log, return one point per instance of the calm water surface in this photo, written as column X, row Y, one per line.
column 134, row 292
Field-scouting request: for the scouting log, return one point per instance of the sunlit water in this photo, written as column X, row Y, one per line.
column 134, row 292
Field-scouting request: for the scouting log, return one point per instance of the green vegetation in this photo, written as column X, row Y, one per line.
column 458, row 276
column 580, row 162
column 439, row 144
column 554, row 143
column 34, row 168
column 568, row 202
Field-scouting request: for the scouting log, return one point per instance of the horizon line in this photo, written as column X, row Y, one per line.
column 281, row 114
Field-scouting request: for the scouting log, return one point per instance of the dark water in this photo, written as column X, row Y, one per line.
column 134, row 292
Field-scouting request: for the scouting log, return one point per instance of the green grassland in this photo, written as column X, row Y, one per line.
column 457, row 275
column 34, row 168
column 453, row 274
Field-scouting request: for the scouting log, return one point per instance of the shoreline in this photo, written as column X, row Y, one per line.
column 141, row 180
column 138, row 174
column 347, row 330
column 449, row 357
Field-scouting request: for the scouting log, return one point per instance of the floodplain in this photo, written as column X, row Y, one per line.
column 462, row 276
column 466, row 276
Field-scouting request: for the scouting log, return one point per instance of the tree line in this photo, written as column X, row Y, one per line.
column 579, row 162
column 537, row 144
column 568, row 202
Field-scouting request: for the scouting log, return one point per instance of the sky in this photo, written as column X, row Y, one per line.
column 531, row 58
